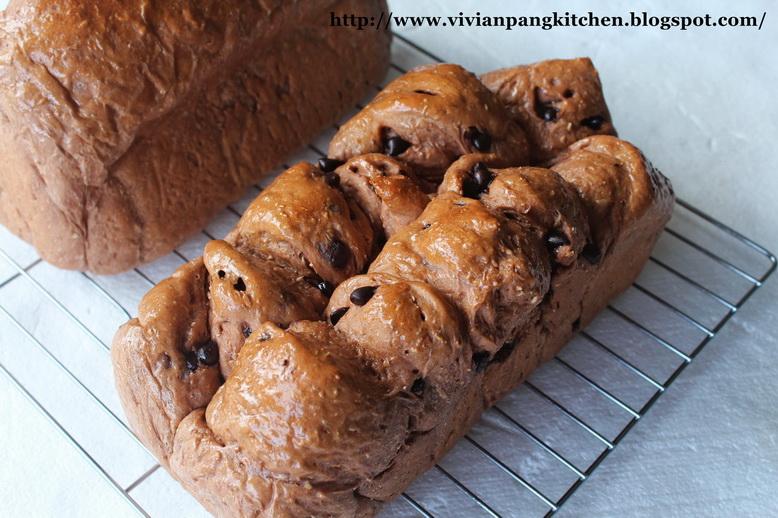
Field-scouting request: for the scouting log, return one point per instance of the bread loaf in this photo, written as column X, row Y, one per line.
column 351, row 327
column 126, row 125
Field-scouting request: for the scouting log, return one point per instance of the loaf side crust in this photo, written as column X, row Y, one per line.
column 103, row 171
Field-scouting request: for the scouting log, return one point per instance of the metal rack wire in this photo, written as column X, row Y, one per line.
column 701, row 273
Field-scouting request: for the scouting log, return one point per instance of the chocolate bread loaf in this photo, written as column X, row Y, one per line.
column 126, row 125
column 352, row 327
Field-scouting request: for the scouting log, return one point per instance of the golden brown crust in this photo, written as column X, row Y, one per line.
column 118, row 118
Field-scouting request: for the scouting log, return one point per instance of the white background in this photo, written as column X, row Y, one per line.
column 702, row 106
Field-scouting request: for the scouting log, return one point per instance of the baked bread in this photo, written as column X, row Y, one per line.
column 431, row 119
column 126, row 125
column 351, row 328
column 557, row 102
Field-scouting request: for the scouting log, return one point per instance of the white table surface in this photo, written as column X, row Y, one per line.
column 702, row 106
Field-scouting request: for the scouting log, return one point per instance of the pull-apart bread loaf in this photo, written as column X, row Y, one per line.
column 365, row 311
column 125, row 124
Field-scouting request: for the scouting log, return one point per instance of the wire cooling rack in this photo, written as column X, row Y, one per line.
column 528, row 454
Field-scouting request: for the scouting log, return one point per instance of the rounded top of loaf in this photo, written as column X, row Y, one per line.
column 94, row 75
column 428, row 118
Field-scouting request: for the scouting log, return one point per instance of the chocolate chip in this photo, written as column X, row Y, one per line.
column 504, row 352
column 395, row 146
column 567, row 94
column 418, row 386
column 337, row 315
column 361, row 296
column 470, row 188
column 482, row 175
column 208, row 353
column 320, row 284
column 547, row 112
column 555, row 240
column 480, row 360
column 332, row 179
column 591, row 253
column 240, row 285
column 336, row 253
column 190, row 361
column 595, row 122
column 477, row 181
column 481, row 140
column 425, row 226
column 264, row 337
column 328, row 165
column 221, row 274
column 544, row 108
column 246, row 330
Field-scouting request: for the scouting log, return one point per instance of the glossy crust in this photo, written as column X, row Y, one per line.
column 480, row 261
column 125, row 126
column 438, row 110
column 557, row 102
column 334, row 414
column 156, row 388
column 387, row 189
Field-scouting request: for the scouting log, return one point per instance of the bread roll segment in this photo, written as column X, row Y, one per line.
column 437, row 113
column 556, row 102
column 413, row 338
